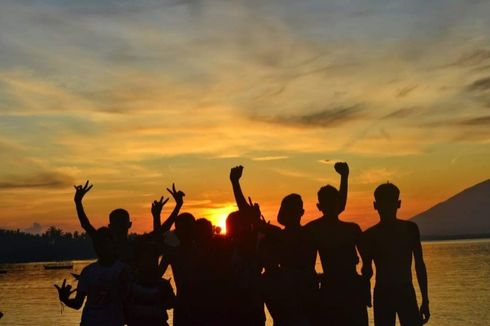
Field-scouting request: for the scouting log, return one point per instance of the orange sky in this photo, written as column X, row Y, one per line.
column 135, row 96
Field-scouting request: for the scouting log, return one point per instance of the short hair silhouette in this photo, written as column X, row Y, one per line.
column 328, row 199
column 237, row 225
column 184, row 226
column 104, row 245
column 291, row 210
column 119, row 218
column 203, row 229
column 387, row 192
column 185, row 221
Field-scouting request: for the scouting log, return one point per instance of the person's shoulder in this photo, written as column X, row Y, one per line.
column 370, row 231
column 312, row 224
column 119, row 265
column 412, row 226
column 90, row 266
column 89, row 269
column 351, row 225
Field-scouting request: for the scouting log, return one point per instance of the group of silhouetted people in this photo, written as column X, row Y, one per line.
column 227, row 279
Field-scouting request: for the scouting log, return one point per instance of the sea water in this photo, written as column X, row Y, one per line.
column 459, row 288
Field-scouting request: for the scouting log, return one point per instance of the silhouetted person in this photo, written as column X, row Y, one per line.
column 149, row 295
column 297, row 263
column 104, row 284
column 391, row 244
column 208, row 299
column 119, row 224
column 180, row 248
column 342, row 301
column 246, row 306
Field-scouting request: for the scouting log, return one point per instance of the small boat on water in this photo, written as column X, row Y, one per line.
column 62, row 265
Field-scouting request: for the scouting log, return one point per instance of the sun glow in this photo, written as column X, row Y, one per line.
column 218, row 216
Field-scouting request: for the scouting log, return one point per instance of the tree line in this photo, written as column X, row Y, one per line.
column 52, row 245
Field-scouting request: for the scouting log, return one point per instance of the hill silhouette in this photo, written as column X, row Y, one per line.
column 466, row 214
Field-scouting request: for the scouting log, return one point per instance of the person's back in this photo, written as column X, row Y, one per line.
column 296, row 249
column 149, row 295
column 336, row 243
column 148, row 303
column 391, row 244
column 297, row 257
column 180, row 248
column 105, row 289
column 102, row 285
column 342, row 289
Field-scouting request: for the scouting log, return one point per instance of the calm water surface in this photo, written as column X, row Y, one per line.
column 459, row 288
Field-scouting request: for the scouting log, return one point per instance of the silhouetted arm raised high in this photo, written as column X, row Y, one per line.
column 179, row 202
column 421, row 272
column 343, row 169
column 80, row 192
column 156, row 210
column 235, row 175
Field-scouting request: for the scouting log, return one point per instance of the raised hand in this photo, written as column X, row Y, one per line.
column 342, row 168
column 177, row 195
column 80, row 191
column 64, row 291
column 157, row 206
column 424, row 312
column 254, row 209
column 236, row 173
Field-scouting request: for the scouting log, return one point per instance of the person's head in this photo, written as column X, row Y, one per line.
column 387, row 201
column 104, row 245
column 184, row 227
column 328, row 200
column 119, row 222
column 237, row 226
column 291, row 211
column 203, row 229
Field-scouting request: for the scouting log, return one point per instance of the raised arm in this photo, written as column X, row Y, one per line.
column 156, row 210
column 343, row 169
column 179, row 202
column 80, row 192
column 235, row 175
column 421, row 272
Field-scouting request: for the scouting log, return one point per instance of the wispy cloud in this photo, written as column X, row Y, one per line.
column 335, row 117
column 135, row 93
column 480, row 85
column 379, row 175
column 41, row 180
column 269, row 158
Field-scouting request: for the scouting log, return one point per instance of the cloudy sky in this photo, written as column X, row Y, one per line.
column 135, row 95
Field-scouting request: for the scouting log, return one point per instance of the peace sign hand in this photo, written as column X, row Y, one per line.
column 80, row 191
column 157, row 206
column 177, row 195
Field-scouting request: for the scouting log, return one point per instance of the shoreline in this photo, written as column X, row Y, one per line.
column 4, row 265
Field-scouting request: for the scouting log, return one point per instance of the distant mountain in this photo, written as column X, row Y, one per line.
column 466, row 214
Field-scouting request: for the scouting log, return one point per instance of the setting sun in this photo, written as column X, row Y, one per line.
column 218, row 216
